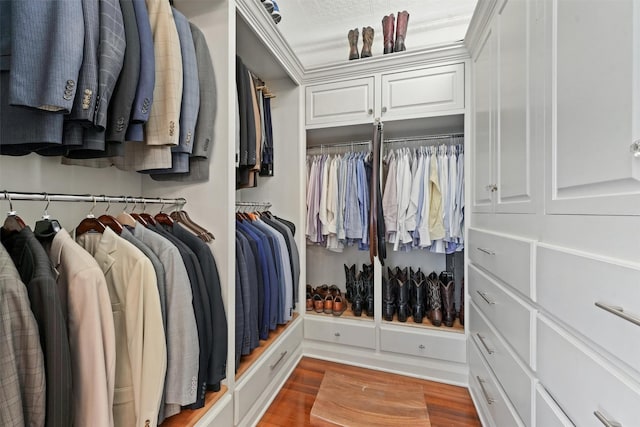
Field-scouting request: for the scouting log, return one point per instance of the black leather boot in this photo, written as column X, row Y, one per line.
column 350, row 278
column 447, row 289
column 367, row 280
column 358, row 298
column 389, row 290
column 418, row 295
column 404, row 285
column 461, row 315
column 435, row 301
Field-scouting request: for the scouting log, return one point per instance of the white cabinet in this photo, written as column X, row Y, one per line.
column 502, row 153
column 594, row 108
column 358, row 334
column 447, row 346
column 402, row 95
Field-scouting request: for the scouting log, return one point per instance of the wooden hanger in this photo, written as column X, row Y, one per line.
column 124, row 218
column 181, row 216
column 46, row 228
column 163, row 218
column 146, row 216
column 136, row 216
column 110, row 221
column 90, row 224
column 13, row 223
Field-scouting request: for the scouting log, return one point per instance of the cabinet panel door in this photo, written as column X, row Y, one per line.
column 340, row 103
column 595, row 106
column 513, row 143
column 484, row 111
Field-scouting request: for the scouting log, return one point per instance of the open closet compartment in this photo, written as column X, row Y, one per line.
column 416, row 106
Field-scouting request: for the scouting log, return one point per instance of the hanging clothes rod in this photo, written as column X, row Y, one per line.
column 338, row 145
column 252, row 204
column 424, row 138
column 47, row 197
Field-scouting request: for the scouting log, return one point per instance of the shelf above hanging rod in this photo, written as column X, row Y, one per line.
column 91, row 198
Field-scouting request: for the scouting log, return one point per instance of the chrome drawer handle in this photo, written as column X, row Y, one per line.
column 488, row 398
column 619, row 311
column 282, row 355
column 370, row 111
column 337, row 334
column 486, row 298
column 421, row 347
column 605, row 421
column 481, row 338
column 486, row 251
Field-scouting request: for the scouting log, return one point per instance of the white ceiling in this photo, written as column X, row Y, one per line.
column 317, row 29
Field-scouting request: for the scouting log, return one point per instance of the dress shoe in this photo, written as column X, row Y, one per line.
column 328, row 304
column 352, row 36
column 418, row 295
column 367, row 42
column 322, row 291
column 447, row 289
column 404, row 286
column 339, row 306
column 389, row 289
column 435, row 302
column 367, row 281
column 388, row 25
column 401, row 31
column 318, row 303
column 309, row 302
column 334, row 291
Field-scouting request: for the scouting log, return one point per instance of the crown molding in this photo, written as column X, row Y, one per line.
column 260, row 21
column 479, row 21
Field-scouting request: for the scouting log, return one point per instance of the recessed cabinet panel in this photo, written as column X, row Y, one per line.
column 592, row 166
column 358, row 333
column 548, row 414
column 347, row 102
column 442, row 345
column 583, row 383
column 570, row 286
column 422, row 92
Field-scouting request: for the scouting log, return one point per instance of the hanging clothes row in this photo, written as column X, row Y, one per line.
column 124, row 325
column 423, row 199
column 110, row 91
column 254, row 136
column 267, row 277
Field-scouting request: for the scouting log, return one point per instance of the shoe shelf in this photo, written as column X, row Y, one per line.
column 190, row 417
column 347, row 314
column 426, row 324
column 248, row 360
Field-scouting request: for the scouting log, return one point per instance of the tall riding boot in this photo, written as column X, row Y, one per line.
column 401, row 31
column 367, row 280
column 418, row 289
column 388, row 25
column 350, row 278
column 447, row 289
column 358, row 298
column 353, row 44
column 462, row 302
column 367, row 42
column 404, row 304
column 435, row 303
column 389, row 289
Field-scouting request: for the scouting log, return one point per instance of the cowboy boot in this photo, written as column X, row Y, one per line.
column 358, row 300
column 401, row 31
column 462, row 302
column 404, row 285
column 447, row 291
column 435, row 303
column 353, row 44
column 367, row 41
column 418, row 289
column 350, row 278
column 388, row 24
column 389, row 295
column 367, row 280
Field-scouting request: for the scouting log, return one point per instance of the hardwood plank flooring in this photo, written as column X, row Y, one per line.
column 447, row 405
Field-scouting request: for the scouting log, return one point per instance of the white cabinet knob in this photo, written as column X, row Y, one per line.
column 421, row 347
column 370, row 111
column 337, row 334
column 384, row 109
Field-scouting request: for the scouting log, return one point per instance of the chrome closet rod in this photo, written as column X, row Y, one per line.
column 341, row 144
column 423, row 138
column 44, row 197
column 257, row 204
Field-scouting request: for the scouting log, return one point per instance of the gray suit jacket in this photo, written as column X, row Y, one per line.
column 204, row 132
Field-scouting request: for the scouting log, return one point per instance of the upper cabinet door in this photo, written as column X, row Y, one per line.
column 595, row 108
column 340, row 103
column 513, row 143
column 422, row 93
column 484, row 117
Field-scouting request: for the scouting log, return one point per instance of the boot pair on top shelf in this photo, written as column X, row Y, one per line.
column 388, row 23
column 367, row 42
column 360, row 289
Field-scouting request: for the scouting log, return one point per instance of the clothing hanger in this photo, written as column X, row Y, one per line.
column 13, row 223
column 163, row 218
column 144, row 215
column 136, row 216
column 46, row 228
column 90, row 224
column 124, row 218
column 181, row 216
column 110, row 221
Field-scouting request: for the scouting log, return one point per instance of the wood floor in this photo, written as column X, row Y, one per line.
column 447, row 405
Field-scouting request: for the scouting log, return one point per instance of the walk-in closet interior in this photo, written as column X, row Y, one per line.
column 465, row 211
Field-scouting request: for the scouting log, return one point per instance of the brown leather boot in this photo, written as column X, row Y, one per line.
column 447, row 289
column 367, row 42
column 353, row 44
column 435, row 301
column 388, row 25
column 401, row 31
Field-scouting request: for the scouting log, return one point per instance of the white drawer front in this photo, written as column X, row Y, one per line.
column 340, row 102
column 515, row 380
column 582, row 382
column 356, row 333
column 254, row 383
column 488, row 393
column 548, row 414
column 421, row 92
column 569, row 287
column 511, row 318
column 424, row 343
column 509, row 259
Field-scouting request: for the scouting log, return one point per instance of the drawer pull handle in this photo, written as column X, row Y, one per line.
column 370, row 111
column 486, row 251
column 488, row 398
column 337, row 334
column 282, row 355
column 421, row 347
column 481, row 338
column 605, row 421
column 486, row 298
column 619, row 311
